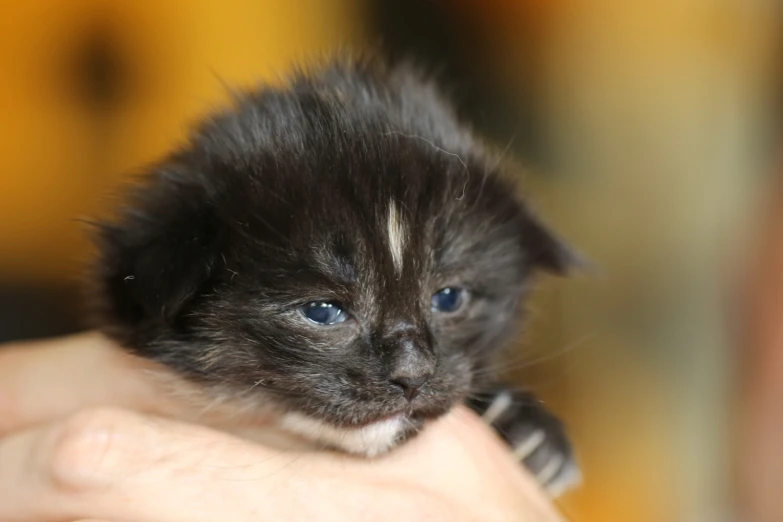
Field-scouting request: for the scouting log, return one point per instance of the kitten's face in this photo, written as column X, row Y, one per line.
column 366, row 302
column 353, row 277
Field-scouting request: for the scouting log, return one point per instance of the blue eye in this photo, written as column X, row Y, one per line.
column 324, row 312
column 448, row 300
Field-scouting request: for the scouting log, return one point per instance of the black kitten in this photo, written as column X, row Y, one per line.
column 342, row 254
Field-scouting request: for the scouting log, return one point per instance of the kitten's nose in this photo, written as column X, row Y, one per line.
column 411, row 385
column 412, row 365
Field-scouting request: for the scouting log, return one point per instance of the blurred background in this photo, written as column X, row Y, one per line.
column 650, row 135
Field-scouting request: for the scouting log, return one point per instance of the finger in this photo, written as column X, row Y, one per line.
column 121, row 466
column 43, row 381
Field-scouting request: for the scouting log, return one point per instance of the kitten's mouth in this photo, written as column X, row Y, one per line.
column 411, row 417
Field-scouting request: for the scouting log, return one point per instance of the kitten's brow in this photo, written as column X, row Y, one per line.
column 440, row 149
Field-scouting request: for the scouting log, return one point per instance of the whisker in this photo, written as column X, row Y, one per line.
column 521, row 361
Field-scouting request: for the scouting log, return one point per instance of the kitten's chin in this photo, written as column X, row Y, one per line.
column 368, row 440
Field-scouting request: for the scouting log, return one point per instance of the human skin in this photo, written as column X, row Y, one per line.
column 84, row 436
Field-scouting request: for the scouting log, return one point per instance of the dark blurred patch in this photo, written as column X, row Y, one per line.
column 98, row 68
column 33, row 311
column 448, row 40
column 98, row 71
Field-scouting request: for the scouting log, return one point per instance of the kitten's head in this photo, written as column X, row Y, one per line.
column 341, row 250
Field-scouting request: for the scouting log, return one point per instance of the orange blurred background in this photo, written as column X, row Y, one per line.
column 649, row 129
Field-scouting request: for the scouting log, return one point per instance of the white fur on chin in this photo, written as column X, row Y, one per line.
column 370, row 440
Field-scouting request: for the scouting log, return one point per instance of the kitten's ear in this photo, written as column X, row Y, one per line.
column 547, row 251
column 158, row 254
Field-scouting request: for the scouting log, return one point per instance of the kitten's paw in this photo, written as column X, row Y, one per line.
column 536, row 436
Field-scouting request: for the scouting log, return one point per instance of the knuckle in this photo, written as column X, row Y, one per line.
column 92, row 448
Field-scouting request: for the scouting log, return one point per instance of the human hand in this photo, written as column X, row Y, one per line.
column 85, row 438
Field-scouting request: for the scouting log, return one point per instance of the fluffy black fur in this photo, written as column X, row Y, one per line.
column 293, row 196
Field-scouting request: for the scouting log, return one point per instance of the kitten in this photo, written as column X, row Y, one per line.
column 341, row 254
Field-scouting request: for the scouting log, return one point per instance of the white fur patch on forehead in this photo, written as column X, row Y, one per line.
column 395, row 230
column 370, row 441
